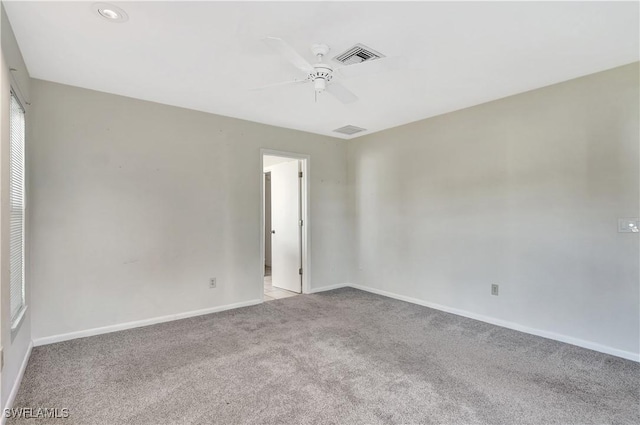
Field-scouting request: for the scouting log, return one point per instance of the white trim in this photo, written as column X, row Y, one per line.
column 17, row 321
column 506, row 324
column 139, row 323
column 306, row 216
column 329, row 287
column 498, row 322
column 16, row 383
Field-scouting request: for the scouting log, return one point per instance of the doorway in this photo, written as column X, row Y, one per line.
column 284, row 224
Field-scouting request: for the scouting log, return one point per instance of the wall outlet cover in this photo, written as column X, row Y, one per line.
column 494, row 289
column 212, row 282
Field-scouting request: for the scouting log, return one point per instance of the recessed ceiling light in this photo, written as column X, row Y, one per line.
column 110, row 12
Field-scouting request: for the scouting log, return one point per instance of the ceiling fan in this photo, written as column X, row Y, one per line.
column 320, row 74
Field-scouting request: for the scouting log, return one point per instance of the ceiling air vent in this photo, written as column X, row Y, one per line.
column 357, row 54
column 349, row 130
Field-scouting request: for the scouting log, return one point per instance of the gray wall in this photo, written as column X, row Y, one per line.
column 524, row 192
column 14, row 347
column 136, row 204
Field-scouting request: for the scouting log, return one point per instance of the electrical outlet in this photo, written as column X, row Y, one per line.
column 494, row 289
column 212, row 283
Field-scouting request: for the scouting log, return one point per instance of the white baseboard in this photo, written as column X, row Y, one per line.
column 329, row 287
column 139, row 323
column 146, row 322
column 506, row 324
column 487, row 319
column 16, row 383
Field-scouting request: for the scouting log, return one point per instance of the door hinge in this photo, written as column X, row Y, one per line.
column 299, row 173
column 300, row 222
column 300, row 271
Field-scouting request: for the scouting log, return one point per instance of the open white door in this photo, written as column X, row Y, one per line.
column 285, row 226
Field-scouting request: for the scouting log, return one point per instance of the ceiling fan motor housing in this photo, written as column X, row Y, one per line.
column 321, row 76
column 322, row 73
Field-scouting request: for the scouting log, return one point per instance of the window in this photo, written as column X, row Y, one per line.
column 16, row 210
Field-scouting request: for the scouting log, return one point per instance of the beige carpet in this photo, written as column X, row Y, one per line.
column 339, row 357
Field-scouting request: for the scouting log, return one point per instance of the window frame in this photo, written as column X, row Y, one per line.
column 18, row 316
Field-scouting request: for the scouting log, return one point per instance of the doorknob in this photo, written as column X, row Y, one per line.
column 273, row 231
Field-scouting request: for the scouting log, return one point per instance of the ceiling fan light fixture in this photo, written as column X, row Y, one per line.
column 320, row 84
column 110, row 12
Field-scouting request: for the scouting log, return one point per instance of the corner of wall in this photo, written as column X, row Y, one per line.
column 17, row 347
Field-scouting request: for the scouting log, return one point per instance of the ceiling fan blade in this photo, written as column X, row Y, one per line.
column 372, row 67
column 280, row 46
column 341, row 93
column 283, row 83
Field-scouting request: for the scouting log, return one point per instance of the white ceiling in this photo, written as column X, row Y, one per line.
column 206, row 55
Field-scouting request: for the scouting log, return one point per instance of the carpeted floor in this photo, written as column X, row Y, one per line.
column 339, row 357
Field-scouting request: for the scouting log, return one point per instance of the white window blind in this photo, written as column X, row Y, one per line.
column 17, row 208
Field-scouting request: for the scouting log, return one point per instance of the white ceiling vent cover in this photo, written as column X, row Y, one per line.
column 349, row 130
column 358, row 54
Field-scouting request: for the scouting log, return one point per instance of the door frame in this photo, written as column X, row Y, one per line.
column 304, row 198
